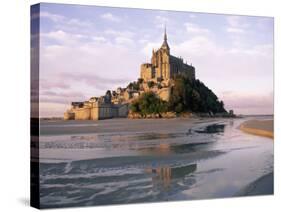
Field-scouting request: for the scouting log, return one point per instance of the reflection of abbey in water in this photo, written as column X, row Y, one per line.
column 164, row 175
column 155, row 76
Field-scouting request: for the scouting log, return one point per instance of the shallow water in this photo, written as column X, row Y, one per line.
column 129, row 161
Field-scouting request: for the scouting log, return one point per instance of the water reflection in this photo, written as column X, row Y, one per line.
column 167, row 148
column 214, row 128
column 164, row 176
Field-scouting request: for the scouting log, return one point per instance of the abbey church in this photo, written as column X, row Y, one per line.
column 165, row 66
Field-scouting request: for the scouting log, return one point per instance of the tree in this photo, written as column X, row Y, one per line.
column 193, row 95
column 134, row 86
column 140, row 80
column 114, row 93
column 149, row 103
column 135, row 107
column 150, row 84
column 186, row 95
column 130, row 86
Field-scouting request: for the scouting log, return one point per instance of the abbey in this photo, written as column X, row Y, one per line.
column 154, row 77
column 165, row 66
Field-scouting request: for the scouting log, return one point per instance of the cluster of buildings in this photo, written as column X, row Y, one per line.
column 155, row 76
column 96, row 108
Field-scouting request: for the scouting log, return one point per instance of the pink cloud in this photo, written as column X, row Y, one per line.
column 248, row 103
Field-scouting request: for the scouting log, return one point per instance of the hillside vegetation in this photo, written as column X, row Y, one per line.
column 186, row 96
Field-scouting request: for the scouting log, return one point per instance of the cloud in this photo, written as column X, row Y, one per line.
column 161, row 21
column 120, row 33
column 66, row 23
column 89, row 66
column 236, row 21
column 192, row 16
column 94, row 80
column 63, row 38
column 235, row 24
column 198, row 46
column 264, row 50
column 243, row 70
column 235, row 30
column 52, row 109
column 147, row 48
column 77, row 57
column 78, row 23
column 110, row 17
column 195, row 29
column 54, row 17
column 61, row 97
column 54, row 103
column 99, row 39
column 248, row 103
column 46, row 84
column 124, row 41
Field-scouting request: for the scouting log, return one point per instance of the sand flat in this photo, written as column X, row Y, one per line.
column 259, row 127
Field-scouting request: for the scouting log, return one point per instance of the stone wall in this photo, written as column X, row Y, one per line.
column 164, row 93
column 95, row 113
column 123, row 110
column 82, row 113
column 105, row 111
column 68, row 115
column 147, row 71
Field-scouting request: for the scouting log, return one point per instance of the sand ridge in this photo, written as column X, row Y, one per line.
column 259, row 127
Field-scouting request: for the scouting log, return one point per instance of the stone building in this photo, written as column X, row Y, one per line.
column 165, row 66
column 96, row 109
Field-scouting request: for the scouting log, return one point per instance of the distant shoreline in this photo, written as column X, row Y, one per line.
column 152, row 116
column 259, row 127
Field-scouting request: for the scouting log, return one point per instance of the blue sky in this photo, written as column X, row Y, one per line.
column 86, row 50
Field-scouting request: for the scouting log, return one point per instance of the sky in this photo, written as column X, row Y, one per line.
column 87, row 50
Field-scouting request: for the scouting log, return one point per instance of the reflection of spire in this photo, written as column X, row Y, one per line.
column 163, row 176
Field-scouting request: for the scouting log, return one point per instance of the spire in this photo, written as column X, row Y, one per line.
column 165, row 42
column 165, row 34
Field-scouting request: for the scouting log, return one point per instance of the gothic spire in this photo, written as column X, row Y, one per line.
column 165, row 42
column 165, row 34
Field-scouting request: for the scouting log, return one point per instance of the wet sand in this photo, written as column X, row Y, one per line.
column 122, row 161
column 119, row 125
column 261, row 186
column 259, row 127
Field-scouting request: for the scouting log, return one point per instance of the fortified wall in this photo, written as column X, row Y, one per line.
column 95, row 110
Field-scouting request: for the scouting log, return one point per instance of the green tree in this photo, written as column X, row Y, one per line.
column 150, row 84
column 135, row 107
column 149, row 103
column 193, row 95
column 140, row 80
